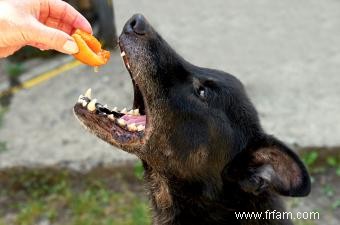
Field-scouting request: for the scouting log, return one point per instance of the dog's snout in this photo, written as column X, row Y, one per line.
column 137, row 24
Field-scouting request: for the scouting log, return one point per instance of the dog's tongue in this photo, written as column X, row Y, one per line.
column 138, row 120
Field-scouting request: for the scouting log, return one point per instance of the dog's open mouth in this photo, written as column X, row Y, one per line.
column 124, row 127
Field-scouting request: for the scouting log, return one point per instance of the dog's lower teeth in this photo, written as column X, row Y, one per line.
column 84, row 102
column 140, row 128
column 122, row 54
column 88, row 93
column 111, row 117
column 121, row 122
column 132, row 127
column 92, row 105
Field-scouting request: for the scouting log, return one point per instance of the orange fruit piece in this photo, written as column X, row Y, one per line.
column 90, row 49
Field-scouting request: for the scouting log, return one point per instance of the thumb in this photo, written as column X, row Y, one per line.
column 53, row 39
column 7, row 51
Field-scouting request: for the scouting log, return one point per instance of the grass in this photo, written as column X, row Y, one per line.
column 100, row 197
column 324, row 167
column 139, row 170
column 304, row 222
column 328, row 190
column 14, row 70
column 320, row 161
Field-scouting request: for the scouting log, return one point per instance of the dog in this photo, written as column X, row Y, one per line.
column 198, row 136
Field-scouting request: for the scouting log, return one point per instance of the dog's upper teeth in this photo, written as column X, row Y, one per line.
column 132, row 127
column 92, row 105
column 141, row 128
column 123, row 111
column 105, row 106
column 130, row 112
column 84, row 102
column 121, row 122
column 115, row 109
column 111, row 117
column 136, row 112
column 88, row 93
column 122, row 54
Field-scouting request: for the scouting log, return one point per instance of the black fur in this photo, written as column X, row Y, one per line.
column 207, row 157
column 205, row 153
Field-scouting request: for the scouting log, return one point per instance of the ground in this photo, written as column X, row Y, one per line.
column 115, row 195
column 58, row 196
column 286, row 53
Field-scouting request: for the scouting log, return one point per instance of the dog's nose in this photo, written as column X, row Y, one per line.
column 137, row 24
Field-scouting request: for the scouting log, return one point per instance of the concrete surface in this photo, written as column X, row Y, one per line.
column 40, row 128
column 287, row 53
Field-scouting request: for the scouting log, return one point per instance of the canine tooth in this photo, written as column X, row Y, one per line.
column 92, row 105
column 105, row 106
column 111, row 117
column 88, row 93
column 122, row 54
column 115, row 109
column 128, row 65
column 80, row 99
column 123, row 111
column 130, row 112
column 136, row 112
column 132, row 127
column 84, row 103
column 141, row 128
column 121, row 122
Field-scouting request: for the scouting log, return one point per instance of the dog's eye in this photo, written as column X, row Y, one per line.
column 201, row 92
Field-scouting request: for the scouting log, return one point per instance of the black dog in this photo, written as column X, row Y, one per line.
column 198, row 135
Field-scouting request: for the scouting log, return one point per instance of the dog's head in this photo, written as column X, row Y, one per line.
column 193, row 123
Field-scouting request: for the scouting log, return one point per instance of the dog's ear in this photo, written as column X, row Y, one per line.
column 268, row 164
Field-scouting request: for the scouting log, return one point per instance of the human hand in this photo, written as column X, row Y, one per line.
column 45, row 24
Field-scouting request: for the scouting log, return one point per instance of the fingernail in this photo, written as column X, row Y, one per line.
column 70, row 47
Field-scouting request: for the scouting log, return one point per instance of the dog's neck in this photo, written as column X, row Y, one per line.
column 177, row 201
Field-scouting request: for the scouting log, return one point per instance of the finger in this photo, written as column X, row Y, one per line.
column 52, row 38
column 65, row 13
column 55, row 23
column 7, row 51
column 40, row 46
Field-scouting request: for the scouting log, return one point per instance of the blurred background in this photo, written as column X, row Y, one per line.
column 287, row 54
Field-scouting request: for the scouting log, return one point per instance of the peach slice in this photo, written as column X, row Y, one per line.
column 90, row 49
